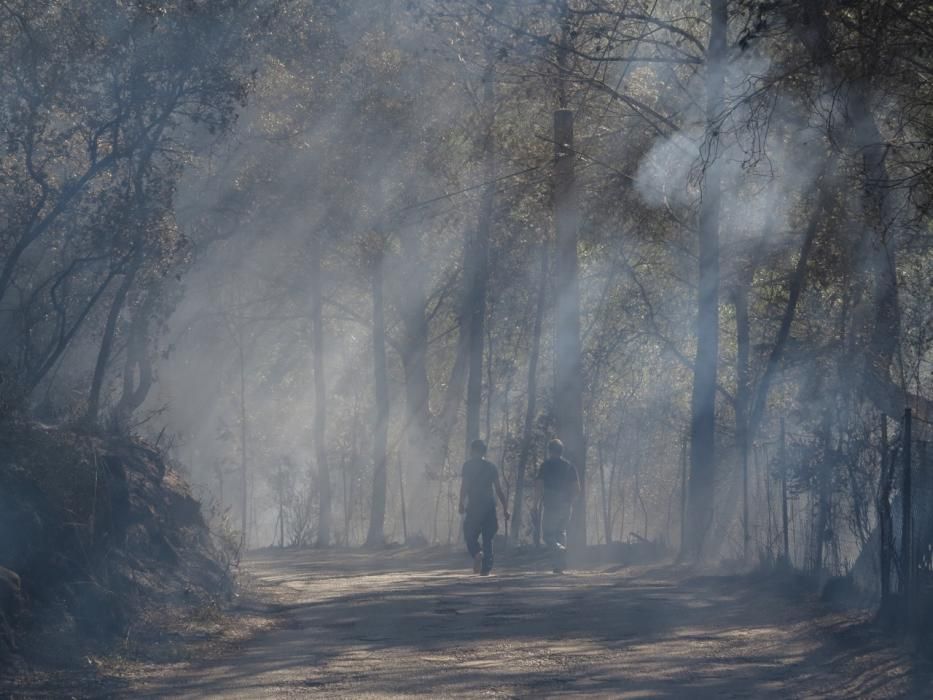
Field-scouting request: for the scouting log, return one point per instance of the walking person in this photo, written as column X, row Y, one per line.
column 557, row 485
column 480, row 479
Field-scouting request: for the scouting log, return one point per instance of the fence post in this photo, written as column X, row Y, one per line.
column 784, row 518
column 683, row 496
column 884, row 517
column 907, row 549
column 920, row 549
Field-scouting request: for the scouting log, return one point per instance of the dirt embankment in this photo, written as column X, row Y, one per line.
column 98, row 537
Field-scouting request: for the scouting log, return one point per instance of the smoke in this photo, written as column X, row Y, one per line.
column 364, row 129
column 768, row 153
column 324, row 149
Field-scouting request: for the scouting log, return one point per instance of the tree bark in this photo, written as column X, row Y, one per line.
column 532, row 394
column 244, row 462
column 740, row 303
column 823, row 502
column 885, row 522
column 568, row 394
column 421, row 450
column 401, row 499
column 136, row 389
column 106, row 343
column 785, row 519
column 320, row 395
column 479, row 262
column 703, row 400
column 376, row 535
column 281, row 485
column 607, row 524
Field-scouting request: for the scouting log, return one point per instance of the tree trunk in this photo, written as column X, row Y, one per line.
column 785, row 520
column 136, row 389
column 703, row 400
column 532, row 398
column 607, row 524
column 568, row 394
column 490, row 377
column 478, row 264
column 906, row 569
column 615, row 477
column 885, row 522
column 244, row 464
column 421, row 451
column 740, row 301
column 106, row 343
column 506, row 437
column 823, row 503
column 281, row 490
column 344, row 537
column 401, row 498
column 684, row 451
column 320, row 395
column 376, row 535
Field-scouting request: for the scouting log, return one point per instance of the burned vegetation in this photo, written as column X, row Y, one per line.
column 104, row 545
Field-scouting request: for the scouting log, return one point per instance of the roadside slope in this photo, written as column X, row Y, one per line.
column 102, row 545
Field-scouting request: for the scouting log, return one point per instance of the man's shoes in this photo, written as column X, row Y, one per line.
column 484, row 573
column 477, row 562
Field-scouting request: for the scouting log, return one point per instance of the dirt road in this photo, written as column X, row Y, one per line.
column 418, row 624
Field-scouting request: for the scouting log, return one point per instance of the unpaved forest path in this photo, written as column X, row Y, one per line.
column 418, row 624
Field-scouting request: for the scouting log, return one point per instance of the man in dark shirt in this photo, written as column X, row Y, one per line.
column 480, row 477
column 558, row 485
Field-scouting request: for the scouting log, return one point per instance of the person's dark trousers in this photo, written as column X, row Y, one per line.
column 476, row 524
column 556, row 521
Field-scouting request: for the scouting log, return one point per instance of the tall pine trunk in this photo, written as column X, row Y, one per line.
column 244, row 461
column 740, row 301
column 568, row 394
column 478, row 263
column 532, row 393
column 421, row 452
column 376, row 535
column 703, row 400
column 319, row 427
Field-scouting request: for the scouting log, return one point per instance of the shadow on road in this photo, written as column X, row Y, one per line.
column 414, row 623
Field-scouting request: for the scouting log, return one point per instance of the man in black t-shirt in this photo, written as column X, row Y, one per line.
column 480, row 477
column 558, row 485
